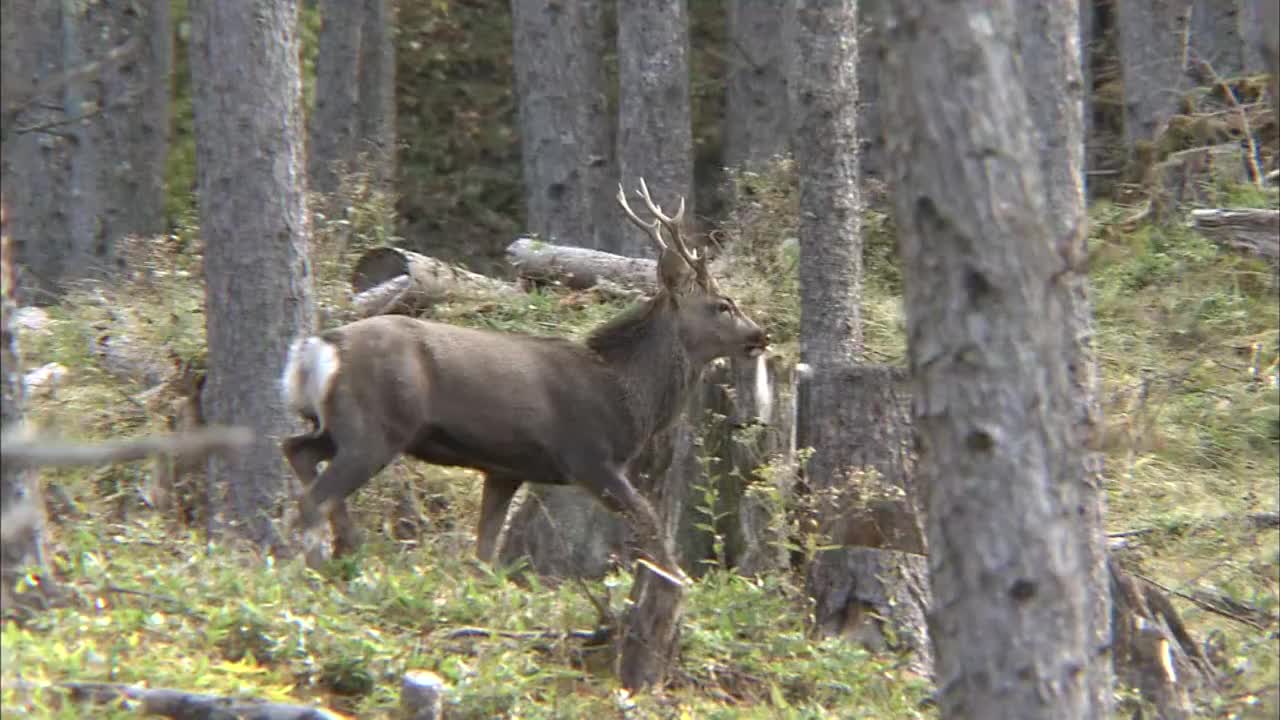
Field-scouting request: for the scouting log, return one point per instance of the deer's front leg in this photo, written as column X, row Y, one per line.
column 617, row 494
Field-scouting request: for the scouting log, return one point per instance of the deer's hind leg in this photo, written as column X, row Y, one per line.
column 306, row 452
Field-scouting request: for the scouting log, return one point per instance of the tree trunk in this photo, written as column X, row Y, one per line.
column 993, row 406
column 1267, row 44
column 655, row 134
column 826, row 151
column 331, row 145
column 564, row 132
column 133, row 130
column 1252, row 31
column 878, row 578
column 1055, row 98
column 85, row 131
column 247, row 101
column 376, row 107
column 756, row 119
column 21, row 506
column 870, row 125
column 1215, row 35
column 749, row 443
column 1153, row 54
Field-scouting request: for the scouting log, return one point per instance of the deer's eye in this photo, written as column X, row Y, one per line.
column 723, row 307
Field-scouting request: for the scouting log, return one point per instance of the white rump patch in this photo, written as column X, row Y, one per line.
column 308, row 373
column 764, row 391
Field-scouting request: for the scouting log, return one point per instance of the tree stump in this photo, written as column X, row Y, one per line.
column 748, row 433
column 421, row 696
column 1187, row 177
column 648, row 644
column 866, row 502
column 1153, row 650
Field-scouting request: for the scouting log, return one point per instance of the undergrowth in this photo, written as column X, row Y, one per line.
column 1187, row 338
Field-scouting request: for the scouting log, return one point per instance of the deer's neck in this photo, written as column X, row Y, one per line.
column 644, row 348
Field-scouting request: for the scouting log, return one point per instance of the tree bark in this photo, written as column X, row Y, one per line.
column 1267, row 44
column 331, row 145
column 1252, row 32
column 1055, row 98
column 756, row 120
column 878, row 577
column 21, row 505
column 249, row 148
column 558, row 53
column 749, row 426
column 826, row 151
column 1215, row 35
column 655, row 134
column 85, row 132
column 376, row 107
column 1153, row 50
column 352, row 125
column 993, row 408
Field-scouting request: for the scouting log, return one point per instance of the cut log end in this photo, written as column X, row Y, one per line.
column 421, row 696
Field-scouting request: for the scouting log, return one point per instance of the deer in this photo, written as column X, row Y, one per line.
column 518, row 408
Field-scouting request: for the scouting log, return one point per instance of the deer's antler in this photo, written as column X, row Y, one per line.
column 695, row 262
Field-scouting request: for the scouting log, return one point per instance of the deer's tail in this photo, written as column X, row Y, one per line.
column 308, row 375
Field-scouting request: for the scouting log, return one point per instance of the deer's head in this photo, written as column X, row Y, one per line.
column 710, row 323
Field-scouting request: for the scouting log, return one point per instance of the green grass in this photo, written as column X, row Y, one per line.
column 1187, row 337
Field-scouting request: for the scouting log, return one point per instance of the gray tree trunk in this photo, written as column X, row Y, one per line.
column 1215, row 35
column 1267, row 44
column 133, row 131
column 1252, row 30
column 874, row 588
column 993, row 408
column 1153, row 53
column 1055, row 98
column 352, row 125
column 333, row 123
column 85, row 108
column 756, row 119
column 655, row 133
column 35, row 162
column 377, row 103
column 21, row 506
column 826, row 152
column 846, row 413
column 558, row 53
column 870, row 127
column 247, row 98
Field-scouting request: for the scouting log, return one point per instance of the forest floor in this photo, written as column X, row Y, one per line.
column 1187, row 338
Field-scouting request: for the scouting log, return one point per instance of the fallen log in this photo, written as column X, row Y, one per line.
column 378, row 288
column 580, row 268
column 1252, row 231
column 177, row 704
